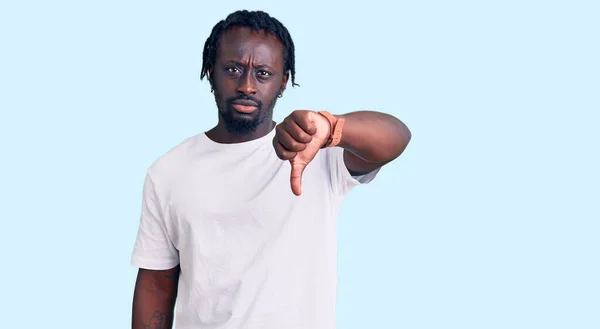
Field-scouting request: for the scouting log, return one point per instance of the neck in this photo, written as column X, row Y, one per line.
column 220, row 134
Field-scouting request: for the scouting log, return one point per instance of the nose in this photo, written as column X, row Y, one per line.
column 246, row 85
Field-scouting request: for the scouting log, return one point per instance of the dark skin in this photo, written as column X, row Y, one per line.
column 248, row 65
column 154, row 298
column 369, row 139
column 251, row 64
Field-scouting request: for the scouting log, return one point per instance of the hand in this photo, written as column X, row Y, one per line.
column 298, row 139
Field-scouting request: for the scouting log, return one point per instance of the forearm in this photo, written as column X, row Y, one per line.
column 154, row 299
column 373, row 136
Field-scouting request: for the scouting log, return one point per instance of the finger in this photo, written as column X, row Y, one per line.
column 288, row 141
column 297, row 132
column 304, row 120
column 296, row 177
column 281, row 152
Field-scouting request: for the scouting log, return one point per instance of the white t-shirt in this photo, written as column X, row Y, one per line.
column 252, row 254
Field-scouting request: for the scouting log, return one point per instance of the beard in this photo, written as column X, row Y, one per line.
column 244, row 124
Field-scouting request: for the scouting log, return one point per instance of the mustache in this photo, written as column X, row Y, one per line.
column 243, row 98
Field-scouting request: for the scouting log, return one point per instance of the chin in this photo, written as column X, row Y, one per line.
column 241, row 123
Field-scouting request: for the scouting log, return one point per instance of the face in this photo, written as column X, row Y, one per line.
column 247, row 78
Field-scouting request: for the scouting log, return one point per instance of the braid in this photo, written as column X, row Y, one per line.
column 256, row 20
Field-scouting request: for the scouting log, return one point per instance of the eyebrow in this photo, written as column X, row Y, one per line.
column 262, row 66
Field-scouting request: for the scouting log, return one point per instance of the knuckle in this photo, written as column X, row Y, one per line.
column 287, row 155
column 300, row 146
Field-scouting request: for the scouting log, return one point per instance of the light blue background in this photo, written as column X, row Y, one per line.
column 490, row 219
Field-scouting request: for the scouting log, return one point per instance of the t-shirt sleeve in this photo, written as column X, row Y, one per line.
column 153, row 248
column 342, row 180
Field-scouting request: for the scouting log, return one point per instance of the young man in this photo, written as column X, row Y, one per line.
column 238, row 223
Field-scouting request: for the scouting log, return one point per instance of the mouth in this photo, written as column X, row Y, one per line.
column 245, row 106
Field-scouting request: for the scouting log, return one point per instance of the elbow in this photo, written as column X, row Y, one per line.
column 403, row 137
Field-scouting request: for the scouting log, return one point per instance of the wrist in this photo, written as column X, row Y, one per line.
column 336, row 126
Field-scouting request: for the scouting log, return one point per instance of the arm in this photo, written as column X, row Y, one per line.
column 154, row 298
column 371, row 140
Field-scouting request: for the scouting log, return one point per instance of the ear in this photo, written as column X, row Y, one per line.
column 210, row 76
column 284, row 83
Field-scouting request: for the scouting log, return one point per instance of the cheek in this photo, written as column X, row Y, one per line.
column 225, row 85
column 223, row 81
column 271, row 89
column 271, row 100
column 223, row 91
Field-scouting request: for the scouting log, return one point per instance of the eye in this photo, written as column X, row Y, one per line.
column 264, row 73
column 233, row 70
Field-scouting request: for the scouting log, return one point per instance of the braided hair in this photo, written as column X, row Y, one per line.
column 256, row 20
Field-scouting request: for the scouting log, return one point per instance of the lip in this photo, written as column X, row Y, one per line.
column 245, row 103
column 244, row 108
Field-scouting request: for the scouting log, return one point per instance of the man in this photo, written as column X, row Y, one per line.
column 238, row 223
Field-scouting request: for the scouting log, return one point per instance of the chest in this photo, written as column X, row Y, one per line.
column 246, row 202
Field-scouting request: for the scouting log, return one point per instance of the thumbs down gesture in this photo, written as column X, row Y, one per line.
column 297, row 139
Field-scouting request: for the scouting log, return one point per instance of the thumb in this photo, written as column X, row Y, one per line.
column 296, row 176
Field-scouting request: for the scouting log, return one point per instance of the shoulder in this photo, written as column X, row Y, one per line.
column 175, row 160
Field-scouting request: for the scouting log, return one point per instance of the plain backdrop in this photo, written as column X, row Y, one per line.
column 490, row 219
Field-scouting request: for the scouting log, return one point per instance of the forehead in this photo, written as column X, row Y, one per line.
column 243, row 44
